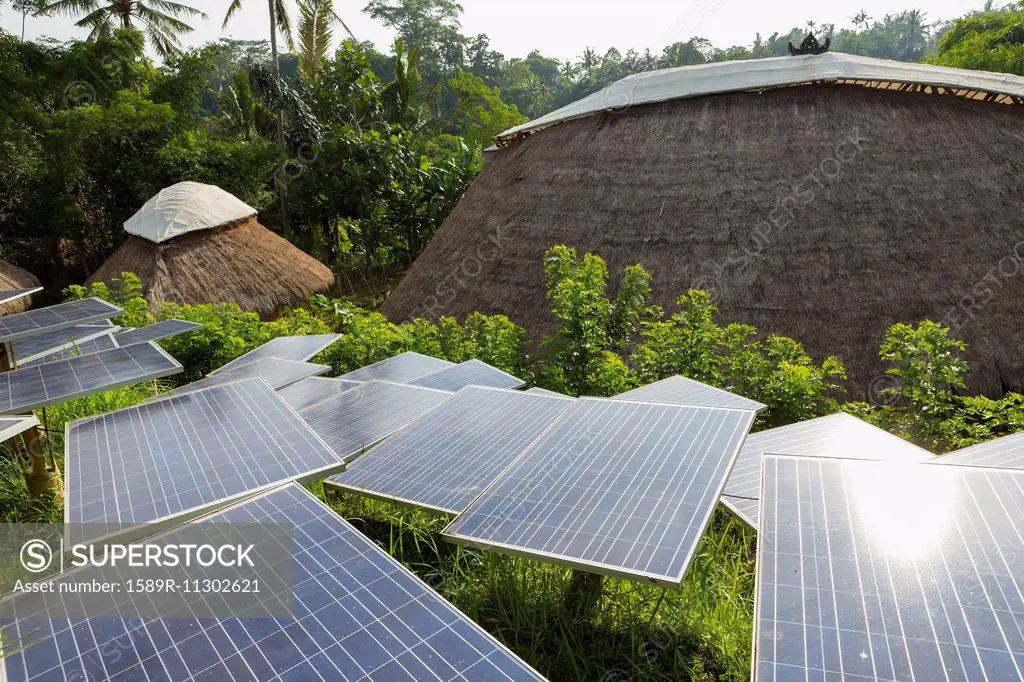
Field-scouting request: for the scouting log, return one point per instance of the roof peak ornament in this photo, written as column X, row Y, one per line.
column 810, row 45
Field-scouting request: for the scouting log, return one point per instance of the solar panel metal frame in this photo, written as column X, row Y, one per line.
column 981, row 581
column 172, row 366
column 100, row 310
column 694, row 392
column 90, row 347
column 147, row 528
column 267, row 350
column 68, row 343
column 312, row 385
column 605, row 569
column 410, row 431
column 8, row 295
column 303, row 370
column 164, row 329
column 451, row 374
column 344, row 543
column 1001, row 453
column 14, row 426
column 372, row 371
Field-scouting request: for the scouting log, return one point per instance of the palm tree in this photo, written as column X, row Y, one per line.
column 315, row 33
column 161, row 20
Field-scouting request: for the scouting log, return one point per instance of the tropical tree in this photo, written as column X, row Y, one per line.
column 316, row 18
column 161, row 20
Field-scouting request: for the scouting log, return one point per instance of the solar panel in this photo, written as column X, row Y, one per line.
column 309, row 392
column 400, row 368
column 837, row 435
column 56, row 317
column 52, row 344
column 14, row 294
column 882, row 571
column 359, row 418
column 39, row 386
column 469, row 373
column 543, row 391
column 294, row 348
column 275, row 371
column 100, row 343
column 12, row 426
column 614, row 487
column 679, row 390
column 359, row 615
column 183, row 456
column 155, row 332
column 1006, row 453
column 447, row 457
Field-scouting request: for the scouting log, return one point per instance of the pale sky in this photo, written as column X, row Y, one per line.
column 563, row 28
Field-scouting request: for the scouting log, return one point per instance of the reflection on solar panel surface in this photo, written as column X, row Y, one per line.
column 401, row 368
column 469, row 373
column 613, row 487
column 275, row 371
column 39, row 386
column 155, row 332
column 446, row 458
column 186, row 454
column 12, row 426
column 1006, row 452
column 679, row 390
column 52, row 344
column 294, row 348
column 544, row 391
column 358, row 419
column 883, row 571
column 22, row 325
column 309, row 392
column 9, row 295
column 359, row 615
column 837, row 435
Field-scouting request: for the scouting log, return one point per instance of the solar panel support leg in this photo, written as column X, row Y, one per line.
column 43, row 480
column 583, row 594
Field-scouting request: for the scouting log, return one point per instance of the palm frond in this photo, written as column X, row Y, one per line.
column 176, row 9
column 284, row 22
column 314, row 38
column 232, row 10
column 69, row 7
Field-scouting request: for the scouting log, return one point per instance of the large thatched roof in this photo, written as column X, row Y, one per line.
column 245, row 264
column 13, row 277
column 825, row 211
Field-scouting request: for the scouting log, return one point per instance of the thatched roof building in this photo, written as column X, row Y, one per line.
column 821, row 197
column 12, row 277
column 195, row 243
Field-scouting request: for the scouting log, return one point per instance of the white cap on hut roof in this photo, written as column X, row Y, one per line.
column 756, row 74
column 186, row 207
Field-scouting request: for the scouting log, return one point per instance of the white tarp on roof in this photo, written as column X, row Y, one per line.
column 186, row 207
column 754, row 74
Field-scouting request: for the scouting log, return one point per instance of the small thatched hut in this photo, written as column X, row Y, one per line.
column 195, row 243
column 13, row 277
column 820, row 197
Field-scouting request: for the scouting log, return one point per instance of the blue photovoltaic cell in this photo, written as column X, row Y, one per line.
column 309, row 392
column 401, row 368
column 1006, row 452
column 294, row 348
column 51, row 383
column 679, row 390
column 359, row 418
column 9, row 295
column 614, row 487
column 447, row 457
column 56, row 317
column 156, row 332
column 359, row 615
column 469, row 373
column 100, row 343
column 179, row 456
column 47, row 345
column 838, row 435
column 12, row 426
column 885, row 571
column 275, row 371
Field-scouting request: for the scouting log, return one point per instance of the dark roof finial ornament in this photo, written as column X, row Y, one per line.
column 810, row 46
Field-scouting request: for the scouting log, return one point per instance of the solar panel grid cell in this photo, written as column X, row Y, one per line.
column 275, row 371
column 12, row 426
column 400, row 368
column 680, row 390
column 155, row 332
column 470, row 373
column 312, row 390
column 1006, row 452
column 9, row 295
column 294, row 348
column 29, row 323
column 40, row 347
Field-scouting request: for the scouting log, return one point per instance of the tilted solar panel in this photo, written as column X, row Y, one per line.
column 401, row 368
column 56, row 317
column 614, row 487
column 176, row 458
column 469, row 373
column 1006, row 453
column 12, row 426
column 40, row 347
column 680, row 390
column 155, row 332
column 837, row 435
column 310, row 391
column 51, row 383
column 353, row 421
column 294, row 348
column 359, row 615
column 100, row 343
column 9, row 295
column 447, row 457
column 275, row 371
column 885, row 571
column 543, row 391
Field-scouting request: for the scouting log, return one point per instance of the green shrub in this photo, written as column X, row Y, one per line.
column 126, row 294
